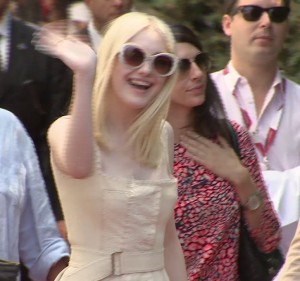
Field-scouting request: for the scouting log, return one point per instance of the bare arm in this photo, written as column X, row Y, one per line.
column 73, row 149
column 174, row 259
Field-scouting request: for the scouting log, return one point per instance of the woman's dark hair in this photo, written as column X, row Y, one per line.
column 208, row 119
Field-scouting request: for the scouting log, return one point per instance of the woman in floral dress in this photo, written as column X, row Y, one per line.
column 213, row 182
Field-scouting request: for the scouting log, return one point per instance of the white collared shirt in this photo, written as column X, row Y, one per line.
column 79, row 11
column 28, row 230
column 282, row 175
column 284, row 153
column 95, row 36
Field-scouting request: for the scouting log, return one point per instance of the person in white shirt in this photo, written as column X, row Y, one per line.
column 28, row 229
column 78, row 11
column 257, row 95
column 103, row 12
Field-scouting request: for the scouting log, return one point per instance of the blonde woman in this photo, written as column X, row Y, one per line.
column 112, row 156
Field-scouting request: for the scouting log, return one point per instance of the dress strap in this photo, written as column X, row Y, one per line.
column 168, row 151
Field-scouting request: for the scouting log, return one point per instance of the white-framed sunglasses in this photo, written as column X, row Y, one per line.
column 133, row 56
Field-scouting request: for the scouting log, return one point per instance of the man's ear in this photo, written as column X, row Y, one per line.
column 226, row 24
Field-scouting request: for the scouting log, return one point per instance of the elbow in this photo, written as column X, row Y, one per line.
column 79, row 171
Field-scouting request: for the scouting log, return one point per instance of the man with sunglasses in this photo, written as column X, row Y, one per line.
column 257, row 95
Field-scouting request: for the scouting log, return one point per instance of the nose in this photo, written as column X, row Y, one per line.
column 146, row 68
column 196, row 71
column 265, row 19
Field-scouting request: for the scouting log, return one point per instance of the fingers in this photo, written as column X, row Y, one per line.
column 192, row 139
column 223, row 142
column 63, row 27
column 45, row 41
column 51, row 35
column 200, row 147
column 197, row 147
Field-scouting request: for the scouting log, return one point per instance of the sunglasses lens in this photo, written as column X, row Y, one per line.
column 163, row 64
column 133, row 56
column 203, row 61
column 279, row 14
column 251, row 13
column 184, row 65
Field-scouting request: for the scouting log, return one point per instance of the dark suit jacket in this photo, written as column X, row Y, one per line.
column 37, row 89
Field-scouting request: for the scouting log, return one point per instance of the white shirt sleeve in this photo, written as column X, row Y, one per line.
column 284, row 191
column 40, row 243
column 28, row 229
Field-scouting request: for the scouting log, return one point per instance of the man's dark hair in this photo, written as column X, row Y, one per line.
column 229, row 5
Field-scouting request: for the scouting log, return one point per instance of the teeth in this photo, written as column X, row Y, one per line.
column 140, row 83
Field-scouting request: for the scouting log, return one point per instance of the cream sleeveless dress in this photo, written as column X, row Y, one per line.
column 116, row 226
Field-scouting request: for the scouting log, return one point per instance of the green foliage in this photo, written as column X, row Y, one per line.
column 205, row 18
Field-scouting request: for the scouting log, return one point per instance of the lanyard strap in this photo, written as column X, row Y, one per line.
column 272, row 131
column 263, row 148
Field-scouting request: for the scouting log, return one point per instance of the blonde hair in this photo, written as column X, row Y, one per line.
column 144, row 135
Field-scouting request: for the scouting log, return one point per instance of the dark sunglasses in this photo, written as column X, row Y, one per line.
column 202, row 60
column 253, row 13
column 164, row 64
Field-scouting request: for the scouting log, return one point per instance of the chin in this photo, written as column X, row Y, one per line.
column 138, row 105
column 199, row 101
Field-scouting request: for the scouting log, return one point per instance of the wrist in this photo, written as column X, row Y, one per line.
column 250, row 196
column 85, row 76
column 242, row 178
column 253, row 202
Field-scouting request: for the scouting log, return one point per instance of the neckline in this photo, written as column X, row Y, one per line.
column 97, row 170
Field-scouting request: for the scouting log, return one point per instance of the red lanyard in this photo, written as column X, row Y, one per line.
column 263, row 148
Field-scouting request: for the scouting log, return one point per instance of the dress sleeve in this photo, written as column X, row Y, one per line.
column 267, row 235
column 40, row 243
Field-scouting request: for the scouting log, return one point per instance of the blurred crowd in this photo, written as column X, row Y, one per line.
column 44, row 11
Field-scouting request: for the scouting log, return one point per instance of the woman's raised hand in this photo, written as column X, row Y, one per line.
column 62, row 40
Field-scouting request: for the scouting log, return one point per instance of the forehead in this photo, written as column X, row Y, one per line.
column 186, row 50
column 263, row 3
column 151, row 40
